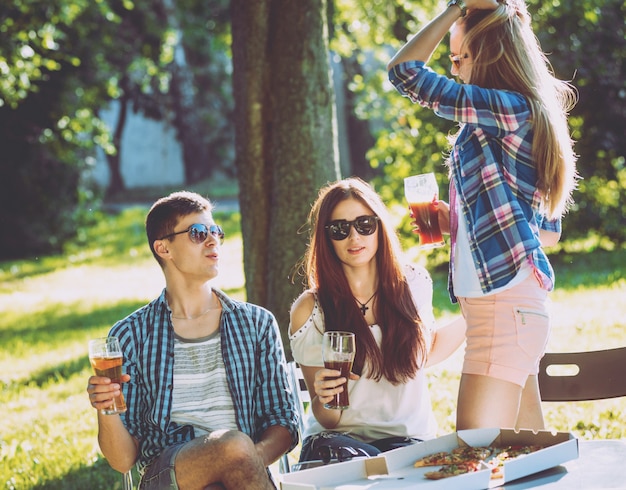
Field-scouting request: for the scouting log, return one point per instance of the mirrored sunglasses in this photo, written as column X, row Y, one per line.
column 339, row 229
column 199, row 232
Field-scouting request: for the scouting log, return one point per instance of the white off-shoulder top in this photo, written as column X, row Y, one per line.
column 378, row 409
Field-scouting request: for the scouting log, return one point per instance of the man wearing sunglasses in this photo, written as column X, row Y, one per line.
column 205, row 384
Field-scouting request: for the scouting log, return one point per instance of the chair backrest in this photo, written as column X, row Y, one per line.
column 303, row 398
column 577, row 376
column 127, row 480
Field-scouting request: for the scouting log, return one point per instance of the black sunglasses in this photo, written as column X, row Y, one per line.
column 341, row 454
column 340, row 228
column 199, row 232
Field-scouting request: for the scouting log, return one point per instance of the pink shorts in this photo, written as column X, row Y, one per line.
column 507, row 332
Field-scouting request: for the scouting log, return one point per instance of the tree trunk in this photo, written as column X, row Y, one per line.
column 116, row 183
column 285, row 139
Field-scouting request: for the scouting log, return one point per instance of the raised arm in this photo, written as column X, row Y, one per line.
column 422, row 45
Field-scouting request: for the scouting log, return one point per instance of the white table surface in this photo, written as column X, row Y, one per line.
column 600, row 464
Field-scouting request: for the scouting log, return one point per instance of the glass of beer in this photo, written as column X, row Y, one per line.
column 105, row 356
column 422, row 193
column 338, row 350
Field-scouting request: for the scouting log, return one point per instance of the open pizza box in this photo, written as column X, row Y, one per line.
column 395, row 469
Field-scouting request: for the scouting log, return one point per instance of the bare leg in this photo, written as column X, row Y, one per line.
column 223, row 457
column 530, row 413
column 487, row 402
column 491, row 402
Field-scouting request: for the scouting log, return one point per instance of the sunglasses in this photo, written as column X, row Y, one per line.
column 341, row 454
column 199, row 232
column 456, row 59
column 340, row 228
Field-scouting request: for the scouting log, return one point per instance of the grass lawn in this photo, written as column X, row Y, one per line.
column 53, row 305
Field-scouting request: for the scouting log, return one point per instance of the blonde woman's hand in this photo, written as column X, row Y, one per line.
column 482, row 4
column 443, row 216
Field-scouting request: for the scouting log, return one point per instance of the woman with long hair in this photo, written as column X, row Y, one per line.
column 512, row 173
column 357, row 283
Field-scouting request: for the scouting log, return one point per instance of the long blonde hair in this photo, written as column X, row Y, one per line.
column 507, row 55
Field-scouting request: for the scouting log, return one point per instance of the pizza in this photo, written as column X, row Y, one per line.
column 453, row 470
column 436, row 459
column 479, row 453
column 511, row 452
column 459, row 455
column 508, row 453
column 467, row 459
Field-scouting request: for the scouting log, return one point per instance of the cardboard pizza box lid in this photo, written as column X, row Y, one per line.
column 395, row 469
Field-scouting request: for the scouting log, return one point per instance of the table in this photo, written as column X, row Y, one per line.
column 601, row 464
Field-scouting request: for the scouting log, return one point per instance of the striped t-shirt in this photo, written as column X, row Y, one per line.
column 201, row 395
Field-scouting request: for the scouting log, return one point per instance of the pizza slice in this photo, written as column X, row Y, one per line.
column 459, row 455
column 511, row 452
column 453, row 470
column 435, row 459
column 472, row 453
column 502, row 455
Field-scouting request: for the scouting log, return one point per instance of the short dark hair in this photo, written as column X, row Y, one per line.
column 167, row 211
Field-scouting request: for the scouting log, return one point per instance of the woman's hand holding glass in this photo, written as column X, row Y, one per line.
column 443, row 216
column 327, row 384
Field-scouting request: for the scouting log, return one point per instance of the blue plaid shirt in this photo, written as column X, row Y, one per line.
column 492, row 170
column 255, row 368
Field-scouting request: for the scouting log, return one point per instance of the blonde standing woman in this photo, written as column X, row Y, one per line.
column 512, row 173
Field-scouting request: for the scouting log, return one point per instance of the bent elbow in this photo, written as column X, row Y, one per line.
column 549, row 238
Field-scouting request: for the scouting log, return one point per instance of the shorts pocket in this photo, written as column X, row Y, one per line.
column 533, row 329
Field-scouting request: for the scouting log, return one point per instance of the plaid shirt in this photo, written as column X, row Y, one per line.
column 492, row 170
column 255, row 368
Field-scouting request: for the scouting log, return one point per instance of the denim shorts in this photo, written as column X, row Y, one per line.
column 160, row 475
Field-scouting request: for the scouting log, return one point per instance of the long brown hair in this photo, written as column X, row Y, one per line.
column 507, row 55
column 403, row 342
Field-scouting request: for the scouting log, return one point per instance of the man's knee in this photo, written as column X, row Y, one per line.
column 232, row 446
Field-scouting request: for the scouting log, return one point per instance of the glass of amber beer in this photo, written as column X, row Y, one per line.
column 422, row 193
column 338, row 350
column 105, row 356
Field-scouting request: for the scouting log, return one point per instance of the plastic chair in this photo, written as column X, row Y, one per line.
column 578, row 376
column 128, row 480
column 303, row 398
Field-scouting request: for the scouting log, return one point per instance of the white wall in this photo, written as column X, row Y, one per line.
column 151, row 155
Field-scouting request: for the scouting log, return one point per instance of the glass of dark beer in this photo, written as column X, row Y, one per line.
column 105, row 356
column 422, row 193
column 338, row 350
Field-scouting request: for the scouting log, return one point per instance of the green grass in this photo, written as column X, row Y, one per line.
column 53, row 305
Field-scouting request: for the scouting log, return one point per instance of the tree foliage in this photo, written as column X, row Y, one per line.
column 61, row 62
column 592, row 55
column 202, row 99
column 585, row 41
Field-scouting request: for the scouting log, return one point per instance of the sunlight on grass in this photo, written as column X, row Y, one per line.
column 53, row 305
